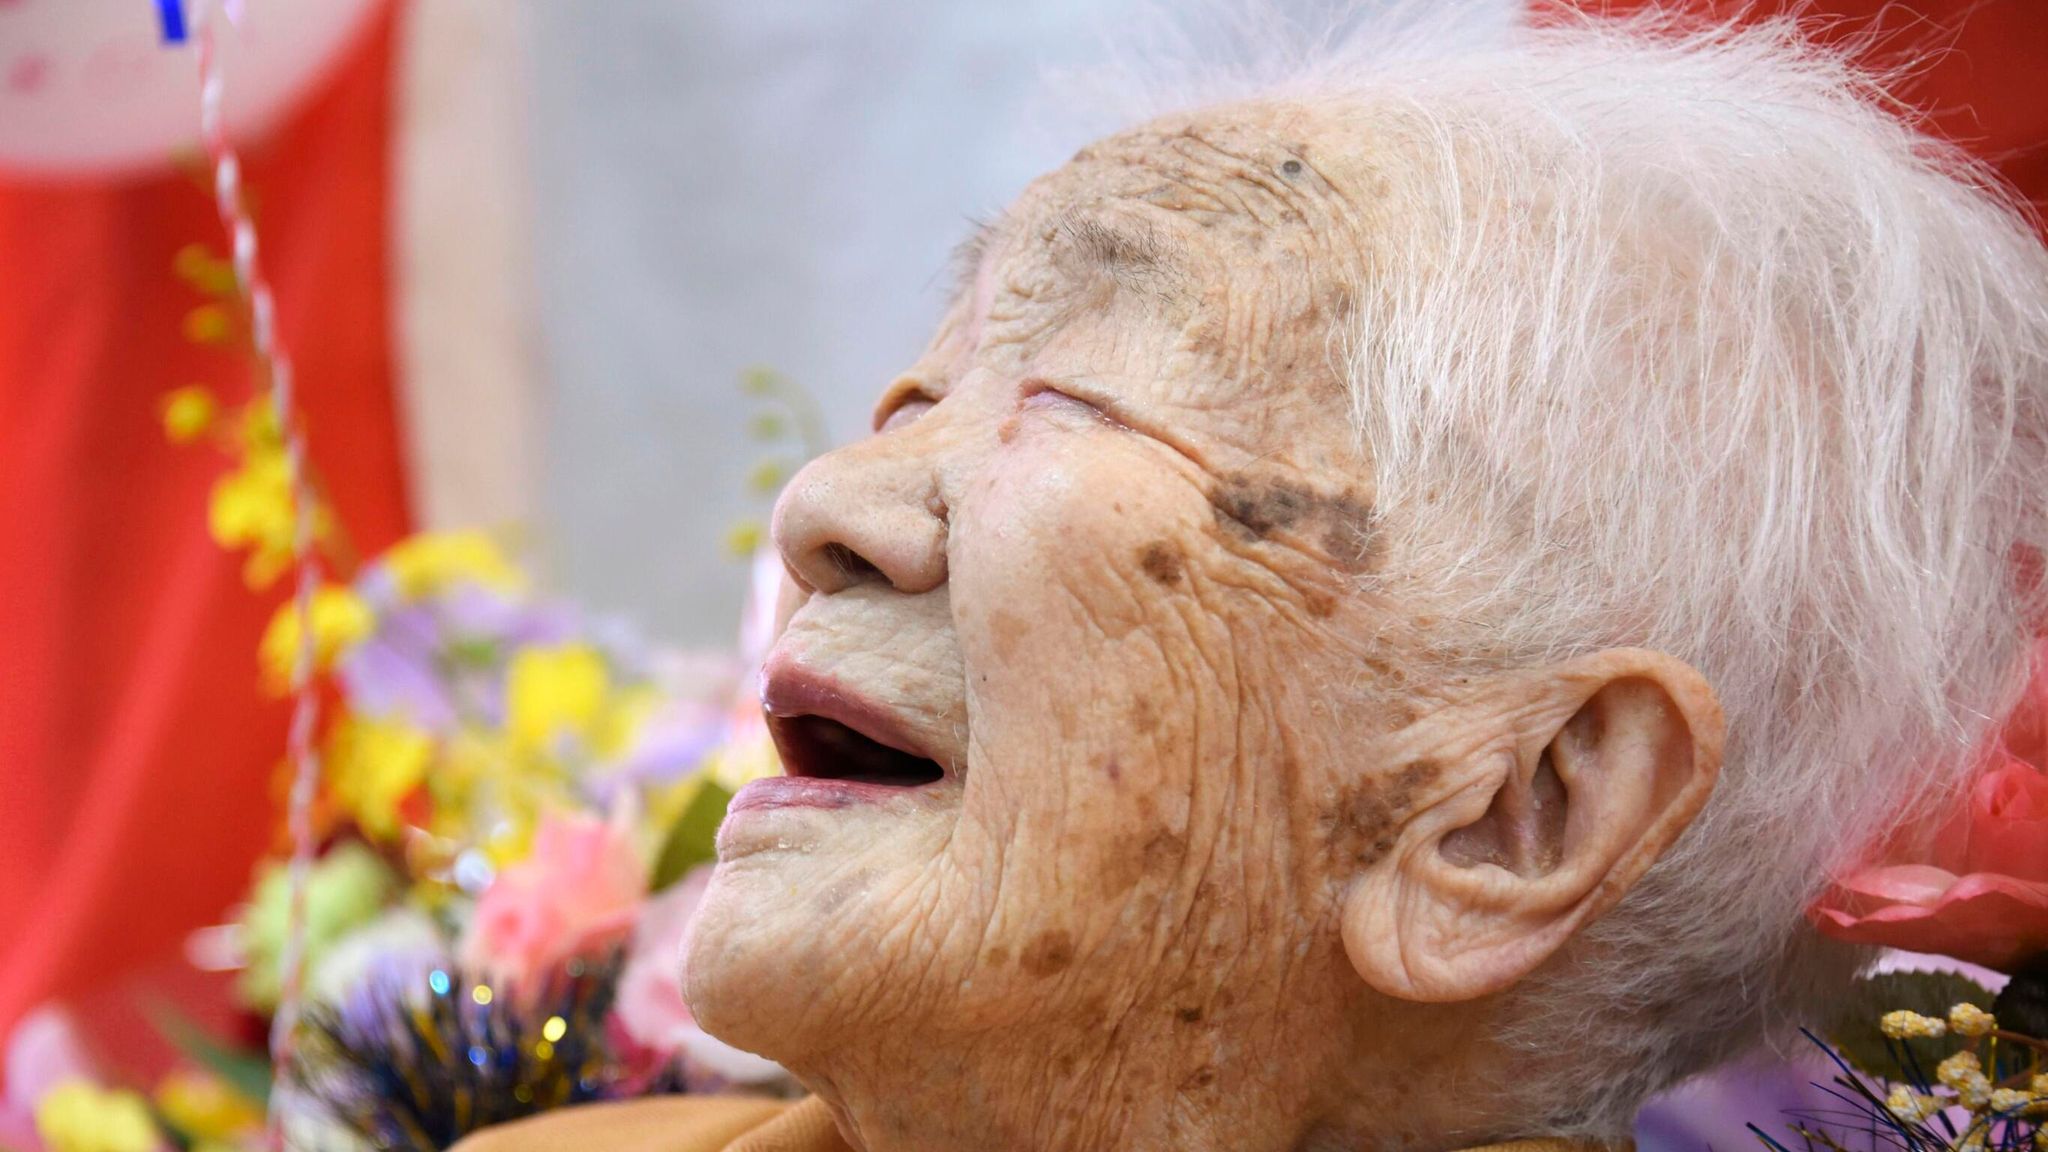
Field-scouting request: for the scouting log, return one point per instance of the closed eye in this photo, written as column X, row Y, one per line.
column 902, row 412
column 905, row 392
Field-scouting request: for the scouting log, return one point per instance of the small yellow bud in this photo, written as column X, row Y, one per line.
column 2010, row 1100
column 743, row 539
column 188, row 413
column 1910, row 1026
column 1965, row 1073
column 208, row 324
column 1909, row 1105
column 1957, row 1067
column 1970, row 1020
column 768, row 475
column 341, row 620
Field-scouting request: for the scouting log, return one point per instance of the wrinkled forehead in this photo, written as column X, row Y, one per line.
column 1194, row 198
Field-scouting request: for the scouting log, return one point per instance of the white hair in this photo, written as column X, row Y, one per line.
column 1686, row 339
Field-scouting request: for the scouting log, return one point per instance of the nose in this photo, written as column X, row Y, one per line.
column 867, row 512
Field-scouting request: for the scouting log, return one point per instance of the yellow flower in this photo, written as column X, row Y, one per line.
column 1965, row 1073
column 1910, row 1025
column 749, row 757
column 421, row 565
column 79, row 1117
column 743, row 538
column 2012, row 1100
column 1909, row 1105
column 554, row 692
column 209, row 324
column 252, row 508
column 487, row 795
column 1970, row 1020
column 257, row 430
column 624, row 716
column 202, row 1106
column 372, row 766
column 188, row 413
column 340, row 621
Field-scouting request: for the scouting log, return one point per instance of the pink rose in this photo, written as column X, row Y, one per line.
column 576, row 893
column 650, row 1006
column 1984, row 897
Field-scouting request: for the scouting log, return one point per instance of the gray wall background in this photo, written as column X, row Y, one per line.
column 725, row 183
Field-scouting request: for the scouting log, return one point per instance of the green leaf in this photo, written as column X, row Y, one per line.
column 1855, row 1033
column 247, row 1071
column 692, row 839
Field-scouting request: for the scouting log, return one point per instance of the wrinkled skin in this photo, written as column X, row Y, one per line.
column 1100, row 557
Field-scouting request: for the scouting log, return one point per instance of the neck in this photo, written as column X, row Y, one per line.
column 1171, row 1088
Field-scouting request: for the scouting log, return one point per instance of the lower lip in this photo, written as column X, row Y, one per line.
column 809, row 792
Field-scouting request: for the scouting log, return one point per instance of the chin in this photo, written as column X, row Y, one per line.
column 793, row 932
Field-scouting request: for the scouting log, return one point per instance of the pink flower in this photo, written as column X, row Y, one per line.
column 650, row 1006
column 1983, row 898
column 43, row 1051
column 576, row 893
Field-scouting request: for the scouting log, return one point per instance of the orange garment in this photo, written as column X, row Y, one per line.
column 136, row 751
column 672, row 1124
column 744, row 1124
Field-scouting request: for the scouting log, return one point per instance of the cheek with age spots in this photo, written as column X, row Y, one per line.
column 1342, row 525
column 1163, row 561
column 1365, row 821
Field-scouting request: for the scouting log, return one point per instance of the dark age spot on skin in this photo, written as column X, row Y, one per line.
column 1160, row 856
column 1189, row 1015
column 1202, row 1078
column 1048, row 954
column 1254, row 509
column 1291, row 168
column 1145, row 716
column 997, row 957
column 1352, row 531
column 1162, row 561
column 1368, row 817
column 1258, row 508
column 1112, row 770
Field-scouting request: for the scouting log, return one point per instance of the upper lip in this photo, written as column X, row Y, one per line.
column 789, row 692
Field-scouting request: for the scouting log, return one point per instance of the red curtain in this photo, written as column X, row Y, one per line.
column 136, row 753
column 1981, row 72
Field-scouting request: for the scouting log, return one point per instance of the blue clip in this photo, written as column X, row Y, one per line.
column 173, row 13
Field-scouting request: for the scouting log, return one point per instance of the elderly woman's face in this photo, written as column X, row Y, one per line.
column 1096, row 566
column 1093, row 565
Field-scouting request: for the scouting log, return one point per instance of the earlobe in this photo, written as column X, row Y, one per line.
column 1588, row 771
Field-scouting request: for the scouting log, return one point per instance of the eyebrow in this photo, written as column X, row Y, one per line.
column 1137, row 257
column 968, row 254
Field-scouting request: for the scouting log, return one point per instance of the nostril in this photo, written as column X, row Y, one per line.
column 850, row 564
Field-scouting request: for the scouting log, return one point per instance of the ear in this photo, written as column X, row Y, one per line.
column 1575, row 778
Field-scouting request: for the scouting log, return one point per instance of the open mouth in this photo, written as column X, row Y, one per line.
column 822, row 748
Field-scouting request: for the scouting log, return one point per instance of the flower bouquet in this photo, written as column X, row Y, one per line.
column 1953, row 1054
